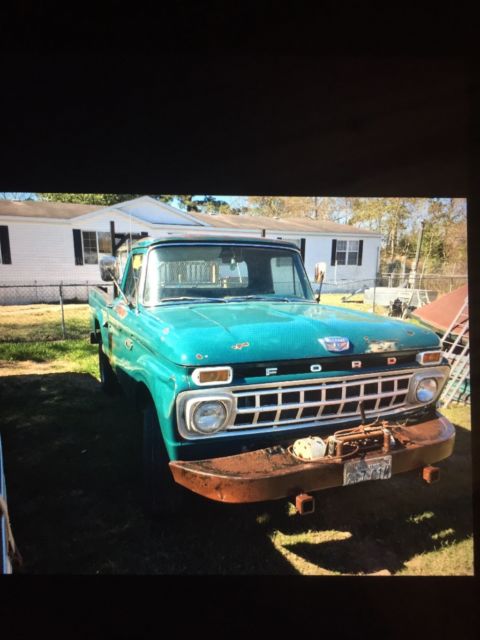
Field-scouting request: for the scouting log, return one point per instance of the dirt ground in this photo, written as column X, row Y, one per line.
column 73, row 468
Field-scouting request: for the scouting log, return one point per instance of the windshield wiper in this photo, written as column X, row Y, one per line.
column 267, row 298
column 192, row 299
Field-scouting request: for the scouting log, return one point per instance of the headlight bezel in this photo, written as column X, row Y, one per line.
column 194, row 403
column 439, row 374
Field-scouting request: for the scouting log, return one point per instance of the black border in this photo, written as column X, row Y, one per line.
column 238, row 123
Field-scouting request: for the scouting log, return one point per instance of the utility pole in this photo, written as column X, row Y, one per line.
column 112, row 237
column 413, row 274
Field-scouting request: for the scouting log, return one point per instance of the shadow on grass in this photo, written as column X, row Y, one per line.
column 391, row 522
column 73, row 469
column 74, row 477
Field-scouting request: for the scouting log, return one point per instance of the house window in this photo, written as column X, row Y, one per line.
column 95, row 245
column 347, row 252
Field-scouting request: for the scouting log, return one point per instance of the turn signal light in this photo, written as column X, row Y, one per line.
column 429, row 357
column 212, row 375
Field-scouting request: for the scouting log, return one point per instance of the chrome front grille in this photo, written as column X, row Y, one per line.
column 320, row 400
column 264, row 407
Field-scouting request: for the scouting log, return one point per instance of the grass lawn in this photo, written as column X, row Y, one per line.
column 355, row 302
column 43, row 322
column 73, row 470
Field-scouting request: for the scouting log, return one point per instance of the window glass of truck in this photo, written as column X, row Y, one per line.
column 224, row 271
column 133, row 276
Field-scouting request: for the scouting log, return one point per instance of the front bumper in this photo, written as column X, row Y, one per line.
column 273, row 473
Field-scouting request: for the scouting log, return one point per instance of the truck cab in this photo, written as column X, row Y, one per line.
column 251, row 389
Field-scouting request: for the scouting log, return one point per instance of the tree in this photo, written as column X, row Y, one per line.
column 202, row 204
column 291, row 206
column 445, row 235
column 102, row 199
column 189, row 202
column 392, row 217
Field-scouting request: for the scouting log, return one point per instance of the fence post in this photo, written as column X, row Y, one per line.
column 374, row 288
column 61, row 308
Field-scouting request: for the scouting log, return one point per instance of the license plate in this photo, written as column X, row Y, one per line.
column 372, row 469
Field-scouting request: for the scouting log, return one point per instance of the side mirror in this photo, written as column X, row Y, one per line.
column 109, row 269
column 320, row 270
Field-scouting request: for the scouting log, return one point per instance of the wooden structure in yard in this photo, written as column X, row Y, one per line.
column 449, row 315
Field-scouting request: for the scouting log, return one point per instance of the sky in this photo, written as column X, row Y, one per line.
column 33, row 196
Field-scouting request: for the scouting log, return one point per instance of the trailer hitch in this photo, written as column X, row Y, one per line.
column 304, row 504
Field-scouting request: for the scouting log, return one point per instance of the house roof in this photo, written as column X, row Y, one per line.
column 152, row 211
column 278, row 224
column 43, row 209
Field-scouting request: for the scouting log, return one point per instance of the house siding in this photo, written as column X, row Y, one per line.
column 319, row 248
column 42, row 252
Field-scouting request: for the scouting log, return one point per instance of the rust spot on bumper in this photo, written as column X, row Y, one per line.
column 272, row 473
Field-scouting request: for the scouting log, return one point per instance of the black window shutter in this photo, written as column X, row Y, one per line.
column 77, row 246
column 5, row 245
column 360, row 252
column 334, row 252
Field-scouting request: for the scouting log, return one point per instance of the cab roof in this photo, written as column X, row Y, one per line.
column 196, row 239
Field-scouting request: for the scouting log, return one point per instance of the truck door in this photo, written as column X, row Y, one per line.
column 122, row 318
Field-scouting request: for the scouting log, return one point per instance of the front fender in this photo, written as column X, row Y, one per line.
column 164, row 381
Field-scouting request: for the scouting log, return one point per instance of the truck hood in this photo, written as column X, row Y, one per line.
column 257, row 331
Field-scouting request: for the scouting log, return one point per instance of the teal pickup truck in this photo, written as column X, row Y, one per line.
column 251, row 389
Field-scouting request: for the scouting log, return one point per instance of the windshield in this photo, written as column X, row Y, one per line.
column 224, row 273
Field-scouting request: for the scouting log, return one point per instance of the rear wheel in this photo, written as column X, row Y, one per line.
column 108, row 379
column 162, row 495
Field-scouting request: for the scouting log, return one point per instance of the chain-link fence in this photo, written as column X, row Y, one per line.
column 45, row 312
column 392, row 293
column 429, row 282
column 41, row 293
column 41, row 311
column 438, row 284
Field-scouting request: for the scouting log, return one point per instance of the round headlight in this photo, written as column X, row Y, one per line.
column 209, row 416
column 426, row 390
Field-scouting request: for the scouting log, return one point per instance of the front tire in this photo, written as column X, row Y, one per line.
column 108, row 379
column 162, row 495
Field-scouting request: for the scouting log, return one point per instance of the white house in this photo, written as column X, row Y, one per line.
column 48, row 243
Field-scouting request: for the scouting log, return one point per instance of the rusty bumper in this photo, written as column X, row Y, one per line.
column 273, row 473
